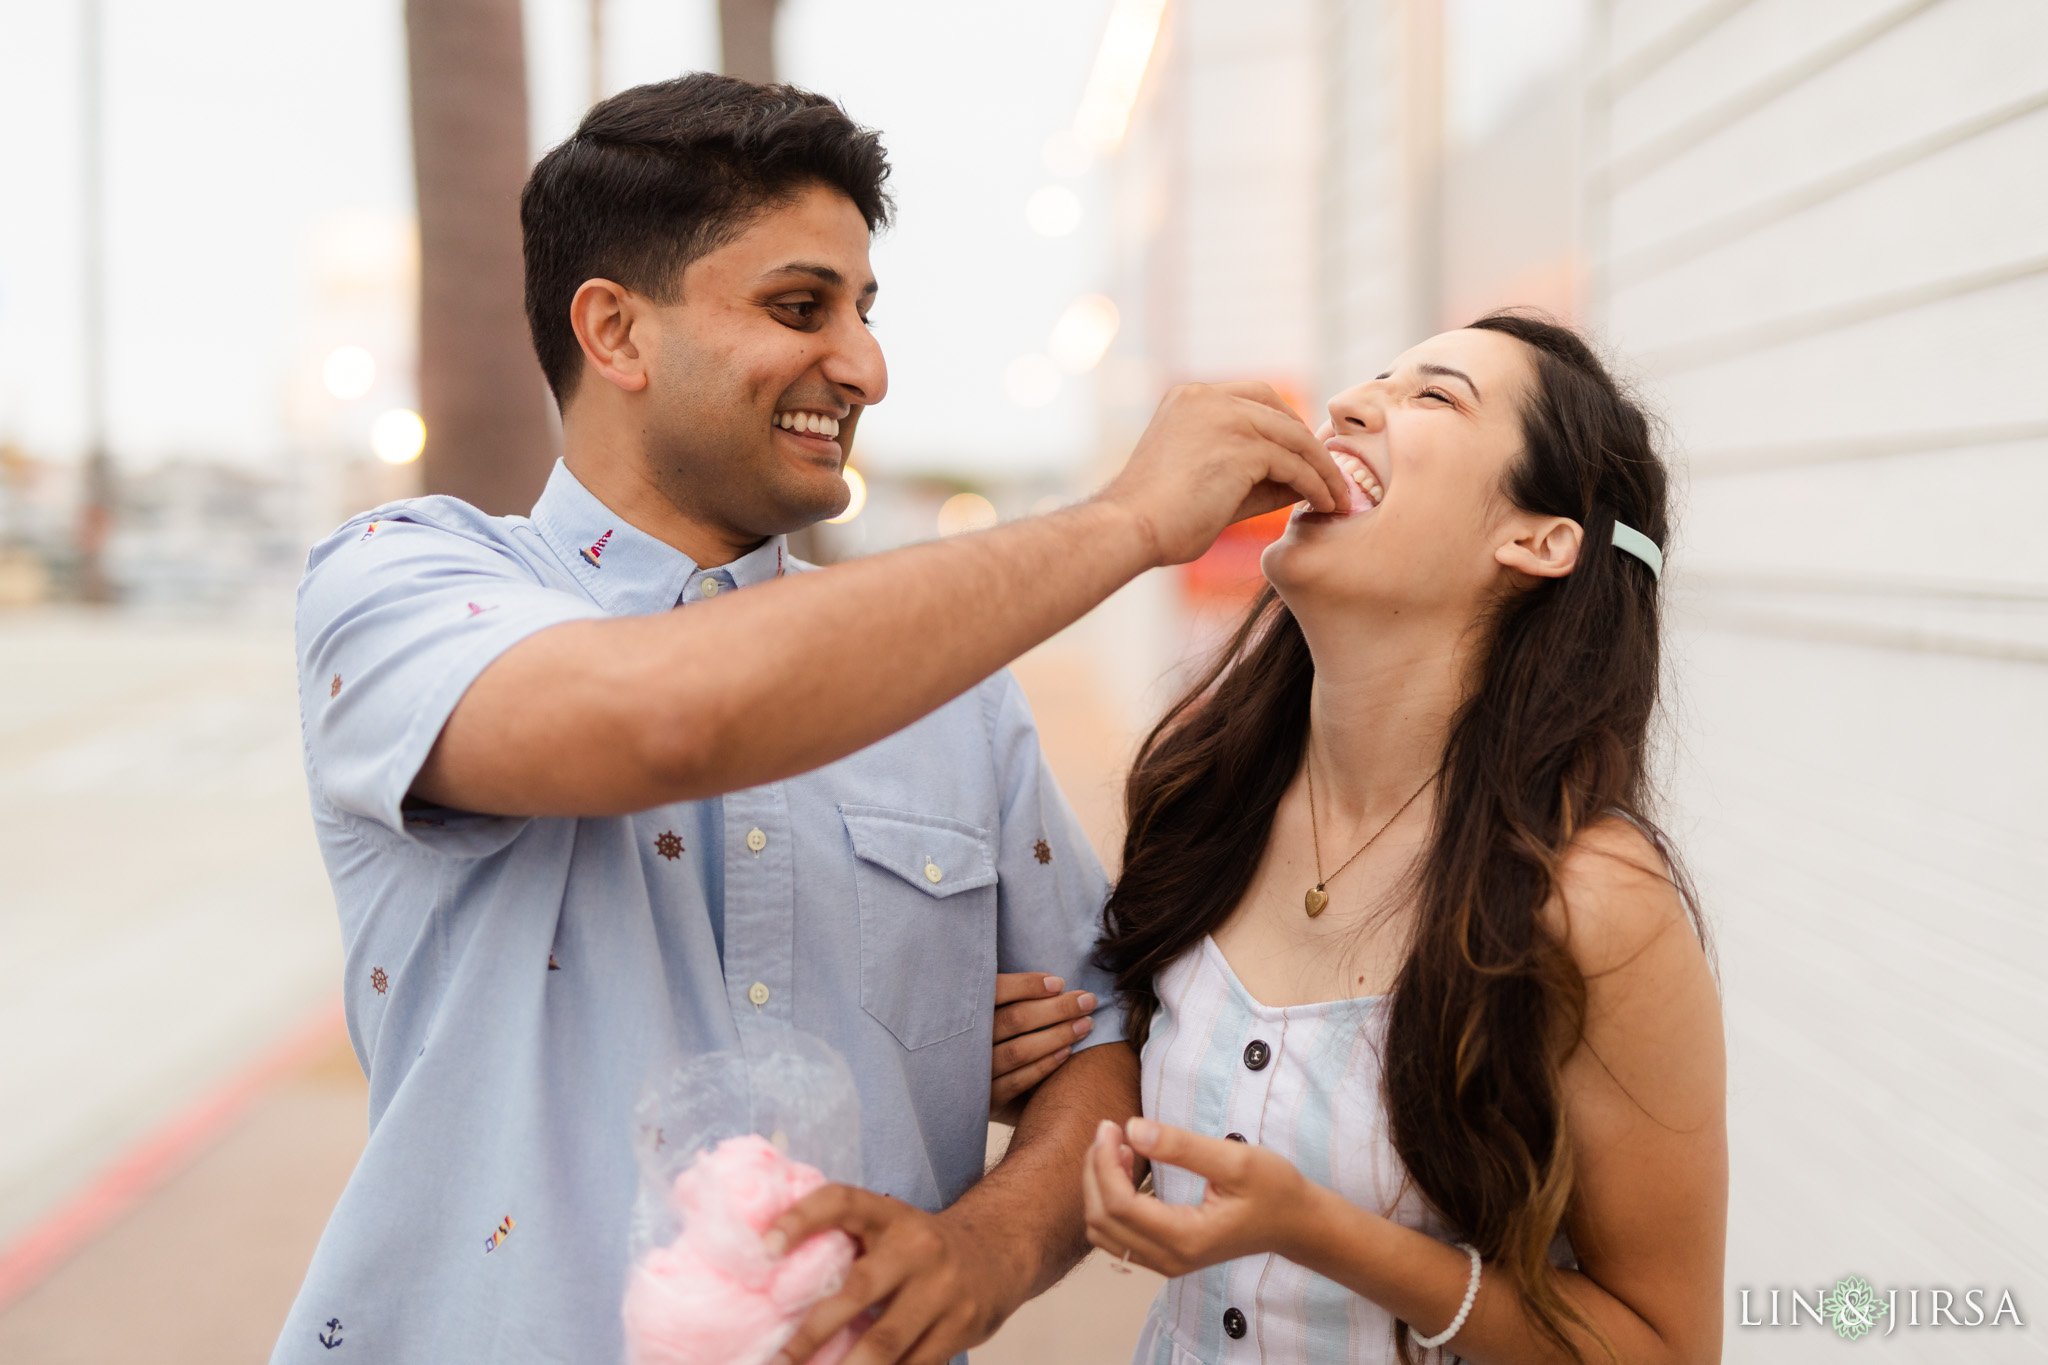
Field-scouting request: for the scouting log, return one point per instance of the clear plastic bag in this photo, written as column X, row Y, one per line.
column 726, row 1142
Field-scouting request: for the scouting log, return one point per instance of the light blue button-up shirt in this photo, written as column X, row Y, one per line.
column 510, row 982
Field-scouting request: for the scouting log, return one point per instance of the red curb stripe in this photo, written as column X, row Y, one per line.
column 155, row 1158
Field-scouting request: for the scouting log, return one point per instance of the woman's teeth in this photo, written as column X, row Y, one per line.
column 814, row 423
column 1361, row 476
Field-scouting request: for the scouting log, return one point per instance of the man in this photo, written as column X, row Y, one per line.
column 573, row 829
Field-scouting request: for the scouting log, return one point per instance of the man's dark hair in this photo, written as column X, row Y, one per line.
column 661, row 174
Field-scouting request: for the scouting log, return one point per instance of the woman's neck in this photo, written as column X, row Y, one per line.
column 1380, row 714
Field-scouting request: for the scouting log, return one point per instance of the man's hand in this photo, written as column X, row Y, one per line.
column 1038, row 1024
column 937, row 1287
column 1214, row 454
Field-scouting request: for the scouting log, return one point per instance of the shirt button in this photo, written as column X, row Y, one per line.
column 756, row 840
column 932, row 873
column 1234, row 1137
column 708, row 587
column 1233, row 1323
column 757, row 993
column 1257, row 1054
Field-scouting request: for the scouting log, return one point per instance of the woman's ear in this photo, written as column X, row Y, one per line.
column 1547, row 547
column 604, row 317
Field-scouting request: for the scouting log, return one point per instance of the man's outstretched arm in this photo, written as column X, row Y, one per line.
column 945, row 1282
column 606, row 717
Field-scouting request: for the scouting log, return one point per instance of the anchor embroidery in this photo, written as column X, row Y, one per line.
column 331, row 1338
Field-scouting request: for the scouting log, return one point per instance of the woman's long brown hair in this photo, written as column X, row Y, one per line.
column 1488, row 1003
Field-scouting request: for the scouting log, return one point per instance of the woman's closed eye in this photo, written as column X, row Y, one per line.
column 1438, row 394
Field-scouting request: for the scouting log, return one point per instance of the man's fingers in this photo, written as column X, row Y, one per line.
column 895, row 1334
column 1011, row 1084
column 1014, row 986
column 1258, row 392
column 852, row 1210
column 864, row 1288
column 1321, row 482
column 1013, row 1021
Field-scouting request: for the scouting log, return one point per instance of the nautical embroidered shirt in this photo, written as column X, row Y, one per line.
column 509, row 982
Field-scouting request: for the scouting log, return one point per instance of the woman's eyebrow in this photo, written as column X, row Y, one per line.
column 1444, row 370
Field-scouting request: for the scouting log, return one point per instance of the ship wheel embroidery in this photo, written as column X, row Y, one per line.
column 1043, row 852
column 379, row 982
column 668, row 844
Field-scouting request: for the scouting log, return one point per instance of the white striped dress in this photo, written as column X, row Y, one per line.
column 1302, row 1080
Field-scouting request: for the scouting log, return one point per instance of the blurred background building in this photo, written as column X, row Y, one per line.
column 1813, row 232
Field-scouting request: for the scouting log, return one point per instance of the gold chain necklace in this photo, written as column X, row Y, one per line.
column 1317, row 898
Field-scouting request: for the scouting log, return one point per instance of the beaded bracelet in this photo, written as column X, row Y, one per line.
column 1471, row 1293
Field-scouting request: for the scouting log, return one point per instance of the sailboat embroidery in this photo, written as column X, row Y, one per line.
column 596, row 550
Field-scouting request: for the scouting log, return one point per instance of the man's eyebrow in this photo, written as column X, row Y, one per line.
column 1444, row 370
column 823, row 274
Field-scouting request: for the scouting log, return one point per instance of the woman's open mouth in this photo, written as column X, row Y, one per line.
column 1366, row 491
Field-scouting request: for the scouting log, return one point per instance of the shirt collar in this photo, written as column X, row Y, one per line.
column 624, row 569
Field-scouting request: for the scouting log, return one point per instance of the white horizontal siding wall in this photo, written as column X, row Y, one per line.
column 1821, row 238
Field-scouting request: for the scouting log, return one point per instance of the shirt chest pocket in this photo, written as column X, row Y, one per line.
column 927, row 890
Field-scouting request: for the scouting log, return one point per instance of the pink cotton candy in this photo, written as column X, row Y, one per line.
column 713, row 1296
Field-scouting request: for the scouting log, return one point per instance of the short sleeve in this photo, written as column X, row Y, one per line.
column 1050, row 885
column 396, row 617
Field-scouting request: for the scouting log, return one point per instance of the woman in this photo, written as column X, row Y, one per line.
column 1409, row 964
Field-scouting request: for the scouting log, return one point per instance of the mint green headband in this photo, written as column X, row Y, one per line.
column 1629, row 539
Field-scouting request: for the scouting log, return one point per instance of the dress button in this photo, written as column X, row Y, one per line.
column 756, row 840
column 708, row 587
column 932, row 873
column 757, row 993
column 1257, row 1054
column 1233, row 1323
column 1233, row 1137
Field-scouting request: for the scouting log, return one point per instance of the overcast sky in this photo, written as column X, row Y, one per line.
column 258, row 152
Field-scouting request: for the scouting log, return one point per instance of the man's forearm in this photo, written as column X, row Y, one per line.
column 606, row 717
column 1029, row 1207
column 905, row 632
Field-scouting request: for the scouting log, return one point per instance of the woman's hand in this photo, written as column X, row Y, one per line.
column 1251, row 1206
column 1038, row 1024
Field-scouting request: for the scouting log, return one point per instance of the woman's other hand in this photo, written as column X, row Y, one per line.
column 1245, row 1211
column 1039, row 1022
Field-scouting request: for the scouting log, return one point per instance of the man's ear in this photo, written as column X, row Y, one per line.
column 1547, row 547
column 610, row 325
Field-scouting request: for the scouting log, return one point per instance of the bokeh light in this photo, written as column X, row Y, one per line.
column 1054, row 211
column 349, row 372
column 966, row 512
column 1083, row 333
column 398, row 436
